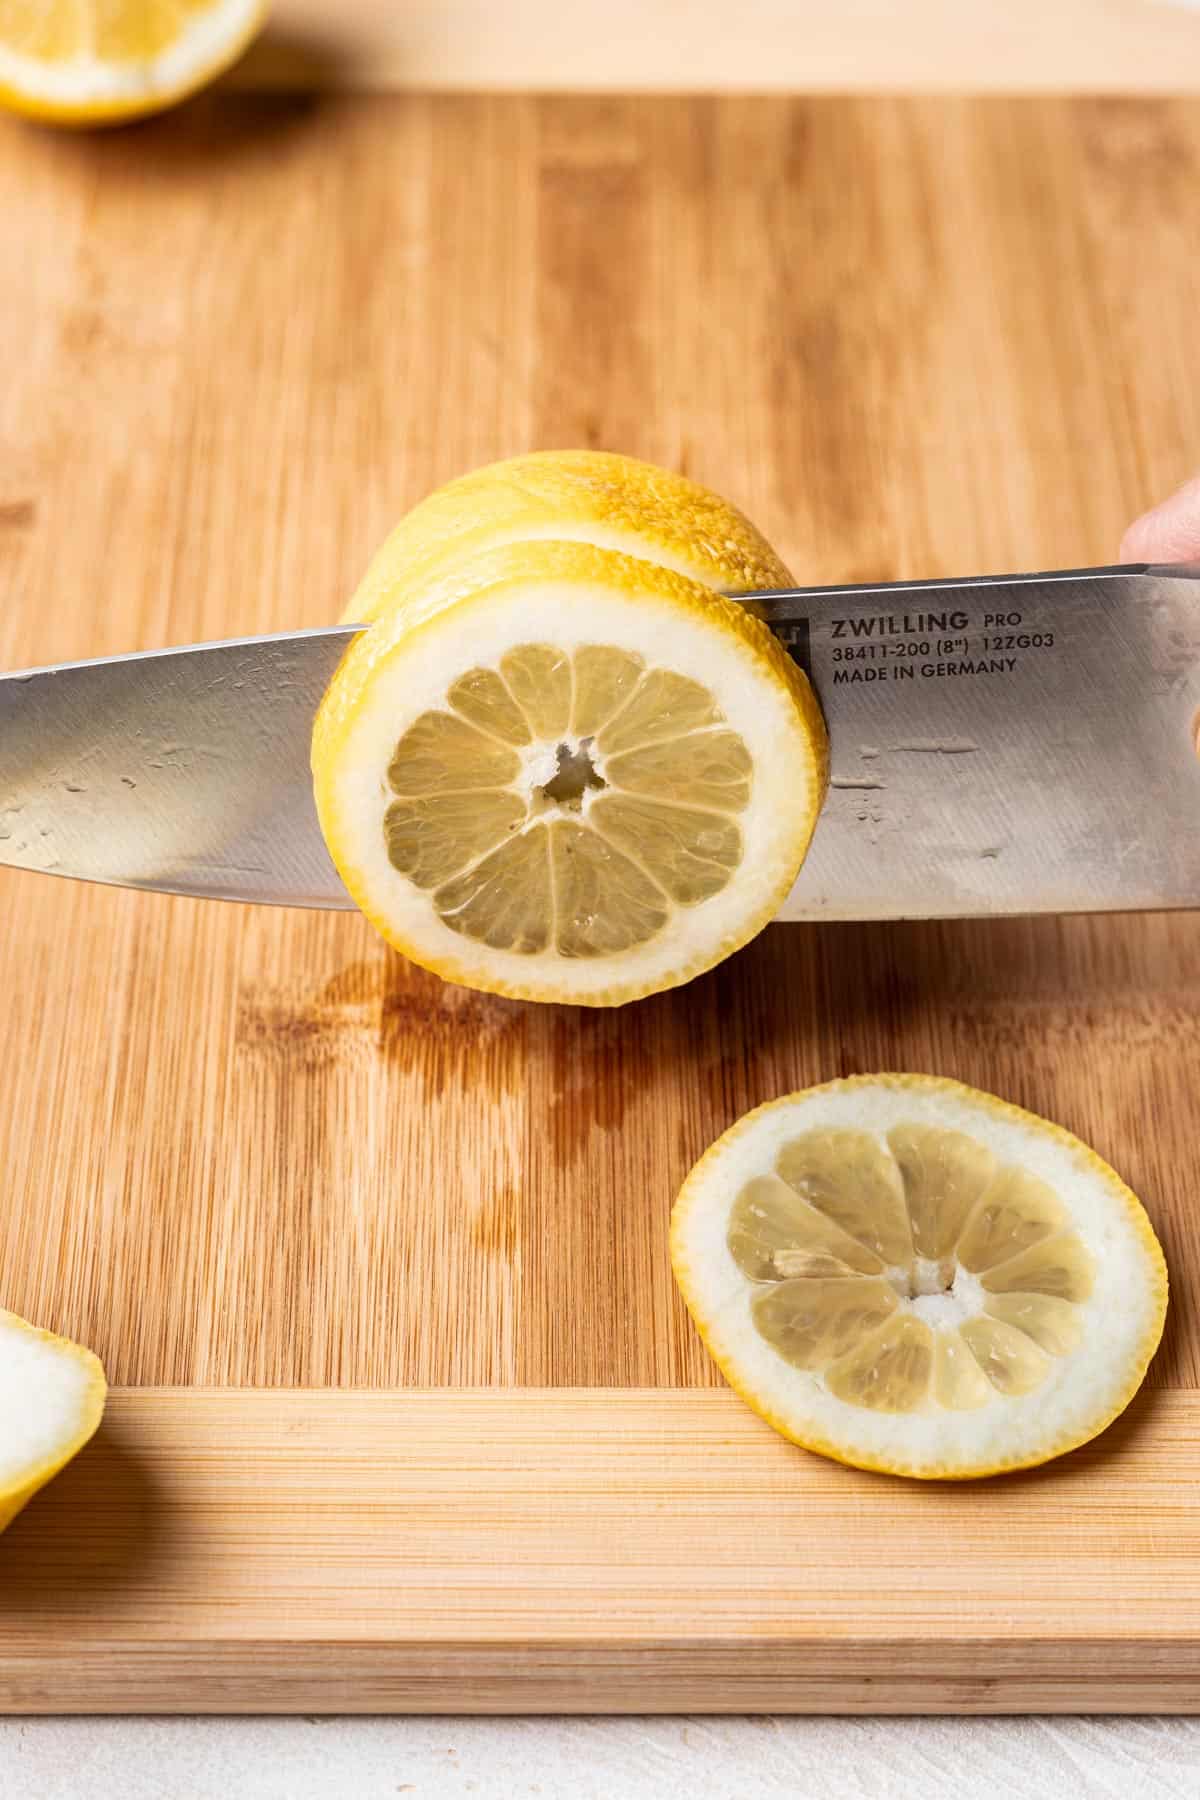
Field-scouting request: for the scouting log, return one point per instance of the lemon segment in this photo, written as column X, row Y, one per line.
column 774, row 1233
column 1008, row 1357
column 91, row 61
column 604, row 681
column 563, row 773
column 503, row 902
column 943, row 1174
column 690, row 852
column 1054, row 1325
column 432, row 838
column 889, row 1370
column 813, row 1321
column 52, row 1395
column 959, row 1384
column 1060, row 1267
column 908, row 1275
column 1016, row 1212
column 849, row 1177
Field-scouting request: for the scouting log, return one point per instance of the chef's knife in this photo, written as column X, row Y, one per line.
column 1009, row 744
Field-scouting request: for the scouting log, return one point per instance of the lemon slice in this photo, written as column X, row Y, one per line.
column 51, row 1399
column 588, row 496
column 908, row 1275
column 563, row 773
column 88, row 61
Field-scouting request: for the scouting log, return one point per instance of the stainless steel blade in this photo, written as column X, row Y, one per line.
column 182, row 770
column 1007, row 745
column 1003, row 745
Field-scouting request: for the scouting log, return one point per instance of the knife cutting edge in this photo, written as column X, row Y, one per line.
column 1000, row 745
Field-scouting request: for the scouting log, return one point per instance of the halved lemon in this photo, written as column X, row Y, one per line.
column 908, row 1275
column 52, row 1396
column 88, row 62
column 554, row 770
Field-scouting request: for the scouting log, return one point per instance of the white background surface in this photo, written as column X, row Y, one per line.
column 600, row 1759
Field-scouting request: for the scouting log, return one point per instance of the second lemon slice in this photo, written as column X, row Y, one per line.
column 564, row 773
column 583, row 496
column 913, row 1276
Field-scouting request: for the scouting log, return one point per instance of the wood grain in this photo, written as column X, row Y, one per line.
column 252, row 1149
column 616, row 1551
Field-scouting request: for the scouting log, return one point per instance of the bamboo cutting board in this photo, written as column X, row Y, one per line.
column 407, row 1414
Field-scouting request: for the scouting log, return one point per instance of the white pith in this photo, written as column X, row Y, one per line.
column 949, row 1306
column 44, row 1391
column 1082, row 1389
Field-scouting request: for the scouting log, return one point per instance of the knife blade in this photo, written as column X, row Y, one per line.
column 1000, row 745
column 184, row 770
column 1004, row 745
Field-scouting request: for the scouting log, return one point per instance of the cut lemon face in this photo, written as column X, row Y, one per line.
column 911, row 1276
column 52, row 1396
column 563, row 773
column 90, row 61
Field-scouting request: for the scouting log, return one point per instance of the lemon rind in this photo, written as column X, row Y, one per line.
column 584, row 496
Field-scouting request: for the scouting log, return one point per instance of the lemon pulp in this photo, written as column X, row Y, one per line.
column 568, row 800
column 914, row 1274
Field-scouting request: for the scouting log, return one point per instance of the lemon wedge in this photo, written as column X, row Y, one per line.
column 911, row 1276
column 555, row 770
column 89, row 62
column 52, row 1396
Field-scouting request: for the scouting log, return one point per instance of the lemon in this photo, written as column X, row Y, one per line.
column 51, row 1399
column 908, row 1275
column 587, row 496
column 88, row 62
column 555, row 770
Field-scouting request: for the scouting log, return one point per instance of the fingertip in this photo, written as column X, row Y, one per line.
column 1138, row 544
column 1169, row 532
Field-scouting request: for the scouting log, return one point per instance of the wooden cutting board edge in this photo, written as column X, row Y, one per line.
column 474, row 1550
